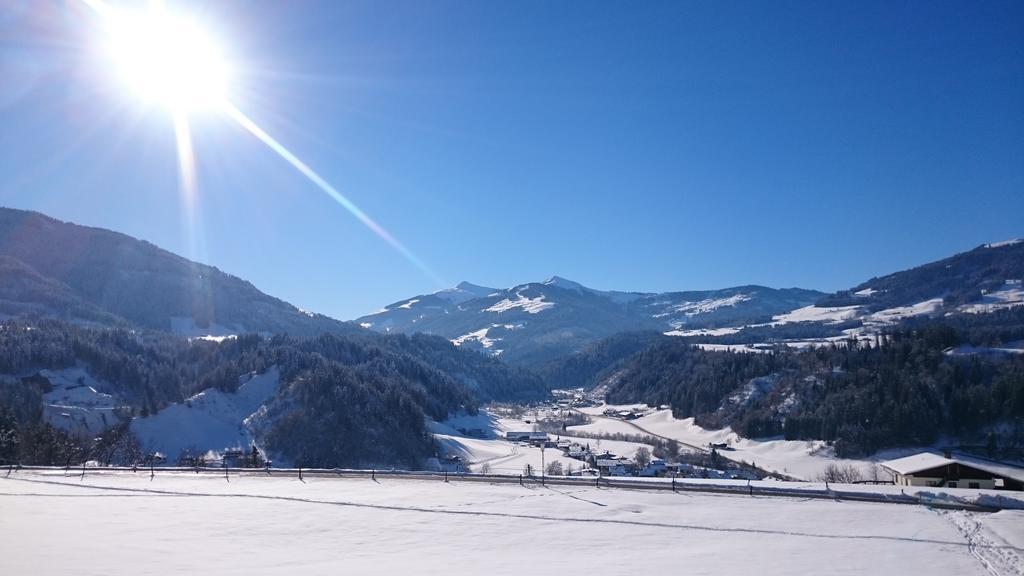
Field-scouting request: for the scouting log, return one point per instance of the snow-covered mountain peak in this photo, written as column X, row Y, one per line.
column 559, row 282
column 463, row 292
column 1004, row 243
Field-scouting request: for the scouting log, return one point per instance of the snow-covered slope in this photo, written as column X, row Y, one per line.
column 210, row 420
column 75, row 403
column 534, row 322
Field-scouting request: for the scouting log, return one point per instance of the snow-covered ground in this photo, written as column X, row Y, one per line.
column 504, row 457
column 210, row 420
column 76, row 404
column 892, row 315
column 253, row 525
column 705, row 331
column 802, row 459
column 184, row 326
column 1011, row 295
column 531, row 305
column 752, row 348
column 834, row 314
column 479, row 336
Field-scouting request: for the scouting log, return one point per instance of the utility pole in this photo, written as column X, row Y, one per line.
column 542, row 471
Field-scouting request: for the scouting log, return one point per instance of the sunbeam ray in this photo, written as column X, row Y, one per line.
column 328, row 189
column 203, row 91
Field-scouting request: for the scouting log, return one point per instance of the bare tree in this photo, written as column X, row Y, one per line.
column 876, row 472
column 555, row 468
column 841, row 473
column 485, row 468
column 642, row 457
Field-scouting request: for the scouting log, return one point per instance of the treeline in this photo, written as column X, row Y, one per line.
column 585, row 367
column 345, row 400
column 907, row 390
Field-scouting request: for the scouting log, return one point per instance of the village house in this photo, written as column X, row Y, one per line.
column 614, row 466
column 526, row 436
column 929, row 469
column 654, row 468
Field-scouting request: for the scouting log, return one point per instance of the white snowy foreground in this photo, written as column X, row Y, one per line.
column 184, row 523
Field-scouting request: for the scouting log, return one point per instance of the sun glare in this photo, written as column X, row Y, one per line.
column 170, row 60
column 167, row 59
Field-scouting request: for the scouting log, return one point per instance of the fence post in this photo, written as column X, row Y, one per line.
column 520, row 479
column 226, row 474
column 445, row 474
column 673, row 482
column 300, row 472
column 373, row 475
column 152, row 471
column 83, row 470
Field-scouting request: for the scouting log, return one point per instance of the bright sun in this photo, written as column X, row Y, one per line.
column 168, row 59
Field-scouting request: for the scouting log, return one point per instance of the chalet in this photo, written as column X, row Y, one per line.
column 655, row 468
column 526, row 436
column 928, row 469
column 614, row 466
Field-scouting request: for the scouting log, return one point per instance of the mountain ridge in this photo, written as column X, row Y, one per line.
column 104, row 275
column 538, row 321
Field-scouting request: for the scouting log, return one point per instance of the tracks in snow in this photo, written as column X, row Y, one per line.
column 998, row 557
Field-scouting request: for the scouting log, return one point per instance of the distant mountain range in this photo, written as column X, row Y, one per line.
column 50, row 268
column 536, row 322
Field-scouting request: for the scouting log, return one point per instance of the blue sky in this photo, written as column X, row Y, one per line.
column 653, row 146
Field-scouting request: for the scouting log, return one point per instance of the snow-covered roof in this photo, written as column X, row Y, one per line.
column 997, row 468
column 928, row 460
column 916, row 463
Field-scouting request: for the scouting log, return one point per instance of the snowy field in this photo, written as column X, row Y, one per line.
column 182, row 523
column 504, row 457
column 800, row 459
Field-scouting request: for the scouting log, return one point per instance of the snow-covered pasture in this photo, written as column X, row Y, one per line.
column 801, row 459
column 183, row 523
column 210, row 420
column 504, row 457
column 75, row 403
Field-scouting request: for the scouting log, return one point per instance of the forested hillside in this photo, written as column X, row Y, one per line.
column 54, row 269
column 909, row 390
column 343, row 400
column 959, row 279
column 583, row 368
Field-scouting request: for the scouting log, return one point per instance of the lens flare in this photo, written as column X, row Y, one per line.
column 328, row 189
column 168, row 59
